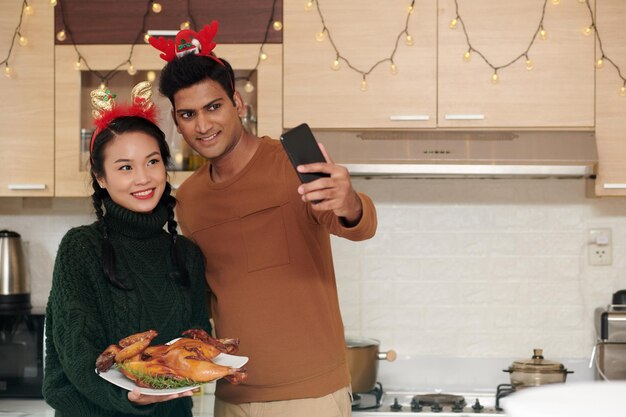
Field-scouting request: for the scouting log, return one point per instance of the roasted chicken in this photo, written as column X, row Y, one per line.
column 187, row 361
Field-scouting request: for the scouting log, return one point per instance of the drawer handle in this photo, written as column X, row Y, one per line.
column 27, row 186
column 465, row 116
column 615, row 186
column 409, row 117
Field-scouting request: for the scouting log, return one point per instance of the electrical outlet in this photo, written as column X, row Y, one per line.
column 600, row 247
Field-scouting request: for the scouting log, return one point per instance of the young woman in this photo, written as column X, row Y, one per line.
column 121, row 275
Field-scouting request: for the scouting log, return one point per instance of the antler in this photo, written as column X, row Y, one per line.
column 205, row 36
column 141, row 95
column 164, row 45
column 102, row 100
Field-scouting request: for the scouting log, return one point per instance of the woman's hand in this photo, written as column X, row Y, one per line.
column 142, row 399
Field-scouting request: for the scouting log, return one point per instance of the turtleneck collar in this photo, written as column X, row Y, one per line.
column 132, row 224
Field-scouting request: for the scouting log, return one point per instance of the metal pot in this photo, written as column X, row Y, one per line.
column 14, row 281
column 536, row 371
column 363, row 356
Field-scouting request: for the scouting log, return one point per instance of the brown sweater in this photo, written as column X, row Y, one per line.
column 270, row 269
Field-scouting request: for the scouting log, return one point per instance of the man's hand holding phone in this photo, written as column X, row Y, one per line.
column 326, row 185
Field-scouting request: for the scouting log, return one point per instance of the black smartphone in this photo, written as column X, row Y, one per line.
column 302, row 148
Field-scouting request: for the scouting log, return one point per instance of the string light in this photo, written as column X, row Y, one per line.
column 151, row 76
column 495, row 78
column 146, row 37
column 603, row 57
column 156, row 7
column 61, row 35
column 185, row 25
column 26, row 9
column 78, row 65
column 277, row 25
column 131, row 69
column 53, row 3
column 262, row 56
column 587, row 30
column 335, row 65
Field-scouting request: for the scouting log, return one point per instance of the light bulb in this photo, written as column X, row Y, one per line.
column 600, row 63
column 335, row 64
column 151, row 76
column 543, row 34
column 453, row 23
column 28, row 10
column 529, row 64
column 408, row 40
column 103, row 85
column 587, row 30
column 249, row 87
column 185, row 25
column 494, row 78
column 23, row 40
column 77, row 65
column 467, row 56
column 308, row 6
column 263, row 56
column 8, row 71
column 622, row 91
column 319, row 36
column 53, row 3
column 363, row 85
column 146, row 38
column 277, row 25
column 156, row 7
column 410, row 9
column 556, row 2
column 394, row 69
column 131, row 69
column 61, row 35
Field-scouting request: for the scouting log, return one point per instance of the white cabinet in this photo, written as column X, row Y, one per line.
column 27, row 105
column 434, row 87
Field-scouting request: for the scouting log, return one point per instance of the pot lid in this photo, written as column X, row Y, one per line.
column 360, row 343
column 536, row 364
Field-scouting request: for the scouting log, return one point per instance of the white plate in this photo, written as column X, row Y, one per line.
column 114, row 376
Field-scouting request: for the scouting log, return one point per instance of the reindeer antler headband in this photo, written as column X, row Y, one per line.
column 188, row 42
column 105, row 110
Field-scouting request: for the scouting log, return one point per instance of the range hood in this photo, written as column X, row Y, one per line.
column 486, row 154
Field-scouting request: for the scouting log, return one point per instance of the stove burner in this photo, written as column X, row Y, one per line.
column 368, row 400
column 441, row 399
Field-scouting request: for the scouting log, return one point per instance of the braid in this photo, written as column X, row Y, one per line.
column 178, row 257
column 108, row 252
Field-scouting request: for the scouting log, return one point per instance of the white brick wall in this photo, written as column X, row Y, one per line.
column 458, row 268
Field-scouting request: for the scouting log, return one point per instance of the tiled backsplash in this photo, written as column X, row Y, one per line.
column 459, row 268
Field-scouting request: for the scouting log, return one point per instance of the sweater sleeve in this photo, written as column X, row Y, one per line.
column 363, row 230
column 76, row 338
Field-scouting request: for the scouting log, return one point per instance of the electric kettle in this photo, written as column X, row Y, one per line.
column 14, row 280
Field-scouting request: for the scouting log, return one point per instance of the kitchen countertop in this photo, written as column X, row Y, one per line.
column 13, row 407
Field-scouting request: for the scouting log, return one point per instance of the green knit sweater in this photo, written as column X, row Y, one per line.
column 86, row 313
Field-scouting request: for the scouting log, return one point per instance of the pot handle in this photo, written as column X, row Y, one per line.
column 390, row 355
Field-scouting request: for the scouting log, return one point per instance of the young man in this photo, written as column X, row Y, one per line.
column 267, row 247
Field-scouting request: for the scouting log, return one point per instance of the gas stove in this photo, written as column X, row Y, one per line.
column 442, row 404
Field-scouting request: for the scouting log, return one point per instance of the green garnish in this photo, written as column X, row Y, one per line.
column 160, row 381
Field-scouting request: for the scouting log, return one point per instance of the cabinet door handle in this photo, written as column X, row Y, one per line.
column 409, row 117
column 615, row 186
column 27, row 186
column 465, row 116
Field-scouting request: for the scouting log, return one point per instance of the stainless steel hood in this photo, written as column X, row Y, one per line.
column 486, row 154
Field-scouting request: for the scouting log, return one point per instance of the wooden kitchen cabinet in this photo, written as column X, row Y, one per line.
column 610, row 106
column 364, row 33
column 433, row 83
column 557, row 93
column 27, row 105
column 73, row 122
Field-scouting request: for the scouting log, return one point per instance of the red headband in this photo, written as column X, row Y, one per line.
column 106, row 110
